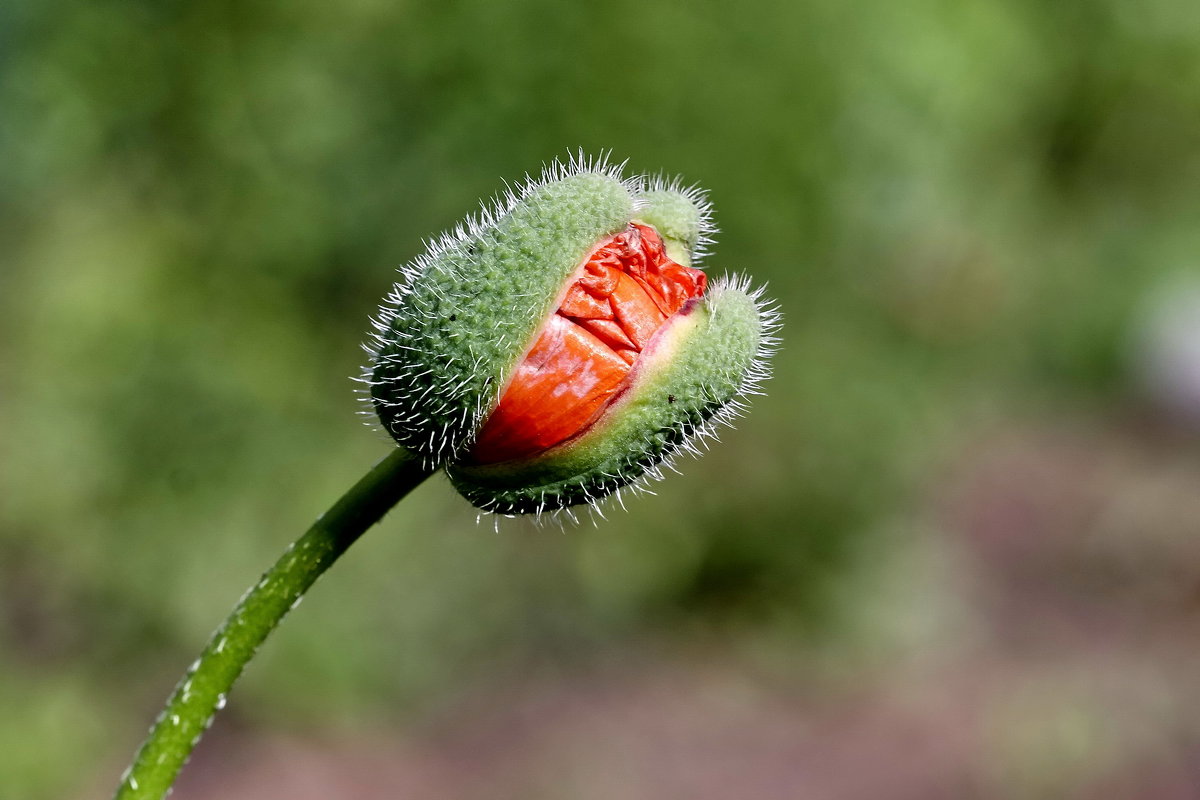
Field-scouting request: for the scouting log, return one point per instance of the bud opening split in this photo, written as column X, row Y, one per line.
column 615, row 304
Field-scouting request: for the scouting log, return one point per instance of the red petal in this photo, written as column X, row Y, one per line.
column 583, row 355
column 637, row 314
column 565, row 382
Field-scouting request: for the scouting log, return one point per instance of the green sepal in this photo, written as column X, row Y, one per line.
column 681, row 217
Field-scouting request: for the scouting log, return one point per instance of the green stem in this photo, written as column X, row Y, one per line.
column 201, row 692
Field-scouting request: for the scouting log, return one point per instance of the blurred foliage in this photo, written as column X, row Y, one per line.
column 957, row 204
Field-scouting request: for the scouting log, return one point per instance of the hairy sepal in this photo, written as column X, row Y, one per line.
column 682, row 216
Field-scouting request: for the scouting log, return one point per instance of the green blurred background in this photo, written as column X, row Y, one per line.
column 953, row 553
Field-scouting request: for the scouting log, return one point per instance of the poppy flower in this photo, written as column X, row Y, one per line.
column 563, row 344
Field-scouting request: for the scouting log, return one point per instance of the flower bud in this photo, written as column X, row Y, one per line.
column 562, row 345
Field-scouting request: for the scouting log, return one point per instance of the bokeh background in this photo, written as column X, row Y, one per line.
column 954, row 552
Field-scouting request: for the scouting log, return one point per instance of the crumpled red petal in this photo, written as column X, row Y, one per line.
column 620, row 298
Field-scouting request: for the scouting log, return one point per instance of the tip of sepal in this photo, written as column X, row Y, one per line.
column 681, row 213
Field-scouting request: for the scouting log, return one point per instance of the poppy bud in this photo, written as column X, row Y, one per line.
column 562, row 345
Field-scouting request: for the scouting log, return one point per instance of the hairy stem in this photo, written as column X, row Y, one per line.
column 201, row 692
